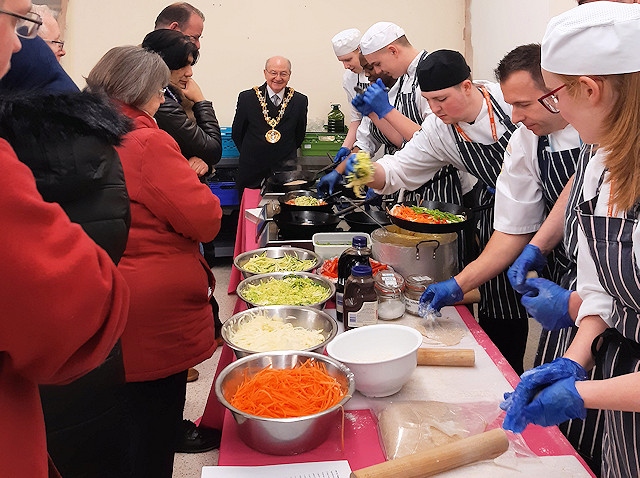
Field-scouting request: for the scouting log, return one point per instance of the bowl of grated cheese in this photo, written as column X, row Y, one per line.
column 276, row 327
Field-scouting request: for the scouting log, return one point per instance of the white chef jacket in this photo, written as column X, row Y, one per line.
column 364, row 140
column 519, row 202
column 434, row 146
column 595, row 301
column 349, row 81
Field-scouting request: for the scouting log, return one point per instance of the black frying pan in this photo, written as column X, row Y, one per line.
column 304, row 224
column 328, row 207
column 285, row 181
column 435, row 228
column 364, row 222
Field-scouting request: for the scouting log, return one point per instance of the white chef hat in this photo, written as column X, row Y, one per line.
column 346, row 41
column 378, row 36
column 599, row 38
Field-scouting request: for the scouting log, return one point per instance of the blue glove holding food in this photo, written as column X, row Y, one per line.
column 438, row 295
column 372, row 199
column 363, row 108
column 341, row 154
column 548, row 303
column 329, row 182
column 529, row 259
column 377, row 98
column 352, row 162
column 531, row 383
column 556, row 404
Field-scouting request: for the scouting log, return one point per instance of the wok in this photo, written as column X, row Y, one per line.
column 285, row 181
column 304, row 224
column 297, row 193
column 366, row 222
column 435, row 228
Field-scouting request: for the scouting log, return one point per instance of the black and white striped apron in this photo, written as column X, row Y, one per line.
column 585, row 435
column 498, row 300
column 445, row 185
column 617, row 350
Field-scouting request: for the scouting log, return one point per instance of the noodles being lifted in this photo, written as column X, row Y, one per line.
column 260, row 333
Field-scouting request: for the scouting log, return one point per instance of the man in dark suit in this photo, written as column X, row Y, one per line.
column 269, row 125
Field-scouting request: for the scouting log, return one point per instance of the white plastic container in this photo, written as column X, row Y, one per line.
column 332, row 244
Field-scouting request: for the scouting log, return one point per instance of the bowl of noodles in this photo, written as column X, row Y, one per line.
column 285, row 403
column 278, row 327
column 286, row 288
column 276, row 259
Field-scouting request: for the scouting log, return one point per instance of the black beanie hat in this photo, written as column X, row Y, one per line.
column 442, row 69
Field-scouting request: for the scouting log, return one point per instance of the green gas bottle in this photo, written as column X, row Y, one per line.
column 335, row 120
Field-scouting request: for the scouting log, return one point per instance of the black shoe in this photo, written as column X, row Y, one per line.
column 194, row 439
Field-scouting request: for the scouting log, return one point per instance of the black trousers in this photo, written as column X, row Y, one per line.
column 510, row 336
column 157, row 415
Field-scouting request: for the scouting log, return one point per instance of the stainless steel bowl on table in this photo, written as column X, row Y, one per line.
column 282, row 436
column 297, row 316
column 241, row 260
column 248, row 283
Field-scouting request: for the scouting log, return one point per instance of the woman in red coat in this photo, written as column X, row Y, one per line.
column 170, row 325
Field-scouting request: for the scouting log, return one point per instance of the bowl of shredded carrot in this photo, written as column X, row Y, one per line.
column 285, row 403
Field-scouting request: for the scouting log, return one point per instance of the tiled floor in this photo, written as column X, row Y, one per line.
column 190, row 465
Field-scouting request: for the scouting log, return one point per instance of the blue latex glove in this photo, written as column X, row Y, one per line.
column 438, row 295
column 377, row 98
column 341, row 154
column 351, row 164
column 548, row 303
column 329, row 182
column 374, row 199
column 555, row 404
column 363, row 108
column 532, row 382
column 529, row 259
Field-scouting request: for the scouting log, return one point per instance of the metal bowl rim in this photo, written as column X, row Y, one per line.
column 243, row 255
column 258, row 277
column 236, row 317
column 351, row 385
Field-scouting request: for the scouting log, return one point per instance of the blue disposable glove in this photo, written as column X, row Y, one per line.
column 341, row 154
column 548, row 303
column 363, row 108
column 329, row 182
column 531, row 382
column 373, row 199
column 377, row 98
column 529, row 259
column 438, row 295
column 351, row 164
column 555, row 404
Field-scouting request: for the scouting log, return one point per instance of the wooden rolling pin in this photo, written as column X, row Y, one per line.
column 484, row 446
column 447, row 357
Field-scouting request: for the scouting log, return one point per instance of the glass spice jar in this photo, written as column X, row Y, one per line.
column 415, row 285
column 389, row 287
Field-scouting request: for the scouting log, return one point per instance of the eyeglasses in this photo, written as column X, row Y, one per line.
column 59, row 43
column 162, row 91
column 27, row 25
column 550, row 100
column 282, row 74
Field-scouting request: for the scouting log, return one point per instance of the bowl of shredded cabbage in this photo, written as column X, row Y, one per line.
column 276, row 259
column 286, row 288
column 279, row 327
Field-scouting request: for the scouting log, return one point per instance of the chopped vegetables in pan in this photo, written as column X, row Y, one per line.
column 425, row 215
column 306, row 201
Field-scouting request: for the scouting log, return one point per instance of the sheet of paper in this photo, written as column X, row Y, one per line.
column 321, row 469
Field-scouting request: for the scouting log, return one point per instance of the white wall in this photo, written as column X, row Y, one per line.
column 238, row 37
column 498, row 26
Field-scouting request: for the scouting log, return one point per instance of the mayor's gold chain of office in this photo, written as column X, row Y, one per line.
column 273, row 135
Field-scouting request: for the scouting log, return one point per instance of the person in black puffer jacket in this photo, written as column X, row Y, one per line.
column 68, row 140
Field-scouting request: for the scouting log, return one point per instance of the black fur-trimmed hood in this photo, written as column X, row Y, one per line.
column 52, row 118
